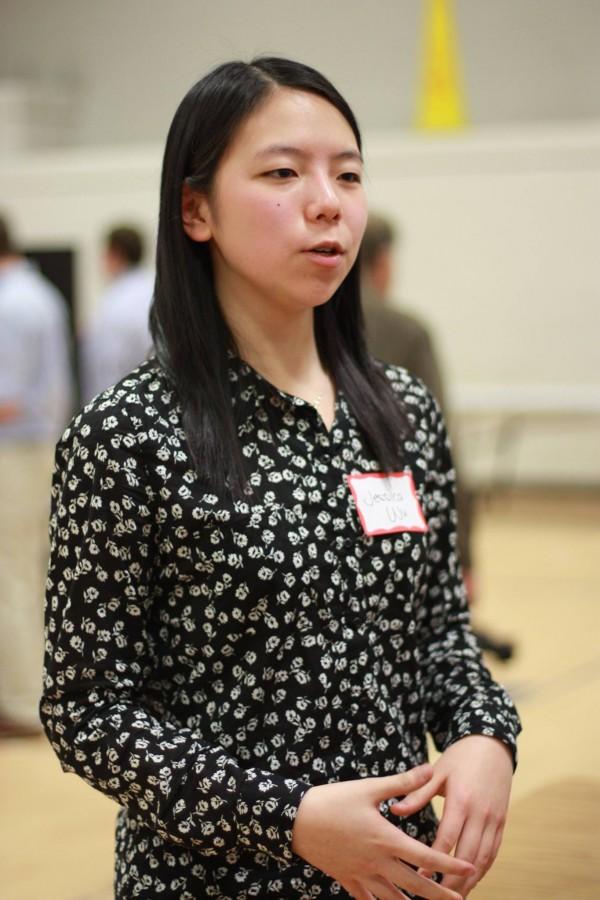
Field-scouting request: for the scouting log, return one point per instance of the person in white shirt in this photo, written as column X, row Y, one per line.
column 35, row 404
column 118, row 336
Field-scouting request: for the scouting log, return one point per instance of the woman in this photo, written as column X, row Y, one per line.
column 254, row 607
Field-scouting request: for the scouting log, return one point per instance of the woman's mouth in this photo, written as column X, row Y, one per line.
column 327, row 253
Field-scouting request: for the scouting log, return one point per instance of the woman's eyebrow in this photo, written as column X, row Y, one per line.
column 287, row 150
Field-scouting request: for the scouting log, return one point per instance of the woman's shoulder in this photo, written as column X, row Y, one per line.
column 141, row 408
column 410, row 390
column 427, row 430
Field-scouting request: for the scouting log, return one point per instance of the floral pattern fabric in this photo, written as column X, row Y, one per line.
column 208, row 660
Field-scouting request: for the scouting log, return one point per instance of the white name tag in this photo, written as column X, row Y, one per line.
column 387, row 502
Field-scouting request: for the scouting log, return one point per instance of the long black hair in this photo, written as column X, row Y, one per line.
column 190, row 333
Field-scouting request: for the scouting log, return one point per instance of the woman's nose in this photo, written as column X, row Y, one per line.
column 323, row 201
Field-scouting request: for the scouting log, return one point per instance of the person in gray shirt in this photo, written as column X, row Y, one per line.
column 118, row 337
column 35, row 402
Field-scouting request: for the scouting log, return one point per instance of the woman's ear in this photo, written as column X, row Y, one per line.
column 195, row 214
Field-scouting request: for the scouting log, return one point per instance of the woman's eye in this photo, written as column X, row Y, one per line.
column 281, row 173
column 352, row 177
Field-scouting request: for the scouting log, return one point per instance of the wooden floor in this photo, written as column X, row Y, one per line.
column 540, row 560
column 539, row 582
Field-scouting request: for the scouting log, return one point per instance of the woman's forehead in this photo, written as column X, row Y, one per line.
column 296, row 121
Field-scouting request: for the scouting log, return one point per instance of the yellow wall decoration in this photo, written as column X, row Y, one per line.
column 441, row 103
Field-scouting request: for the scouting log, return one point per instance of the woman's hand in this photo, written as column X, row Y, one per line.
column 340, row 830
column 474, row 775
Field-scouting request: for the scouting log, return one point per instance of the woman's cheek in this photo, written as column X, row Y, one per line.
column 261, row 204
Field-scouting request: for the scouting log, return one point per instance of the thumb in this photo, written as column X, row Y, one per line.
column 419, row 798
column 399, row 785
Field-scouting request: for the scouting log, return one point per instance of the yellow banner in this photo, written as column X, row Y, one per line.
column 441, row 104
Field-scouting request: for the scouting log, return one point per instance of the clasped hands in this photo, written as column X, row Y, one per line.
column 340, row 830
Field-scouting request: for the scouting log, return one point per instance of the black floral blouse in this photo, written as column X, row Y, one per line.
column 207, row 661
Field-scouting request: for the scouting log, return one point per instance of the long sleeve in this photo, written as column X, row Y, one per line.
column 52, row 392
column 461, row 697
column 108, row 350
column 101, row 610
column 423, row 361
column 35, row 370
column 118, row 337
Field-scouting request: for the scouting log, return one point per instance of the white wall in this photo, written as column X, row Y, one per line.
column 69, row 199
column 500, row 254
column 129, row 62
column 501, row 242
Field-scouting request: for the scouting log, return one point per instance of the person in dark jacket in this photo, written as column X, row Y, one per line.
column 402, row 338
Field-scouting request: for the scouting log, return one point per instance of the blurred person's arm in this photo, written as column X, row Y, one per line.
column 52, row 392
column 110, row 348
column 464, row 510
column 9, row 411
column 424, row 364
column 117, row 338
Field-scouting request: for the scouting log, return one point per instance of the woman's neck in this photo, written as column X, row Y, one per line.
column 283, row 349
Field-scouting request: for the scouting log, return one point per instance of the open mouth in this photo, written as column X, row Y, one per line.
column 326, row 249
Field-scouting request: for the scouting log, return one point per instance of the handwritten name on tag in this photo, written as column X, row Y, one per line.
column 387, row 502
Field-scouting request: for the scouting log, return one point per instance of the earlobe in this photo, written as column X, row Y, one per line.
column 195, row 214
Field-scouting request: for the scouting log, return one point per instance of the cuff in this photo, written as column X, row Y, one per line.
column 266, row 812
column 497, row 719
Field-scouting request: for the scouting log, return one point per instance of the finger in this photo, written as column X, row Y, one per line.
column 448, row 833
column 498, row 841
column 466, row 848
column 488, row 851
column 485, row 854
column 383, row 889
column 410, row 850
column 359, row 892
column 397, row 872
column 403, row 783
column 419, row 798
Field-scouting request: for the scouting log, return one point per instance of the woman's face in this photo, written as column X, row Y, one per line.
column 287, row 209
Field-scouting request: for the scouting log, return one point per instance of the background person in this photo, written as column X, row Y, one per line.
column 118, row 336
column 231, row 654
column 402, row 338
column 35, row 402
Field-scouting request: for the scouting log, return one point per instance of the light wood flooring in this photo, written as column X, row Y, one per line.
column 539, row 583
